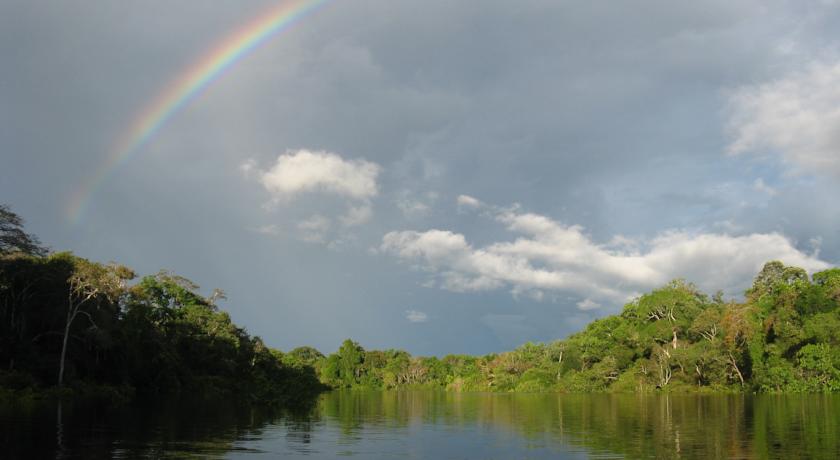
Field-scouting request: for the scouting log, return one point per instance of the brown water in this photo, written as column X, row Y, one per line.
column 425, row 424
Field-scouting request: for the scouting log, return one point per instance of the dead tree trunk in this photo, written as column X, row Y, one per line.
column 63, row 352
column 735, row 366
column 73, row 310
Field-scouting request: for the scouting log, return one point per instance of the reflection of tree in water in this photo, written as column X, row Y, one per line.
column 657, row 426
column 162, row 429
column 632, row 426
column 299, row 428
column 356, row 410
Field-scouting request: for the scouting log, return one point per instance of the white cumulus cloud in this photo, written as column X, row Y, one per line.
column 548, row 256
column 302, row 171
column 797, row 117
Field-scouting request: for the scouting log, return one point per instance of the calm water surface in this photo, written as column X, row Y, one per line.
column 435, row 425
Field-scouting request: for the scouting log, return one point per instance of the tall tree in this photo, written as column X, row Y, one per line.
column 13, row 238
column 91, row 284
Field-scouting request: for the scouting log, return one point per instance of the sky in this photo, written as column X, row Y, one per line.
column 437, row 176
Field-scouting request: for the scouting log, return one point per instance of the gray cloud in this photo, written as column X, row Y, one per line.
column 796, row 116
column 612, row 117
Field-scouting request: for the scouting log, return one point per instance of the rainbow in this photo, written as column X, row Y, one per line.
column 187, row 87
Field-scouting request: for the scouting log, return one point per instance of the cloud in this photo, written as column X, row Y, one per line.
column 414, row 206
column 416, row 316
column 412, row 209
column 796, row 117
column 588, row 304
column 357, row 215
column 431, row 101
column 550, row 256
column 302, row 171
column 314, row 229
column 247, row 167
column 270, row 229
column 760, row 186
column 468, row 201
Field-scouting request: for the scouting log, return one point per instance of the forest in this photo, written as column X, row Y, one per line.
column 76, row 326
column 73, row 326
column 781, row 339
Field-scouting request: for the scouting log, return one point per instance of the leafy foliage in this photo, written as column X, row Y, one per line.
column 67, row 316
column 83, row 321
column 13, row 238
column 675, row 338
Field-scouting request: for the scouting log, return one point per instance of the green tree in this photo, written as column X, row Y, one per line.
column 91, row 285
column 819, row 367
column 13, row 237
column 351, row 356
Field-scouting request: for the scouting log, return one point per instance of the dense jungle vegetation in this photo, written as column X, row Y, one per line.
column 782, row 338
column 69, row 325
column 67, row 322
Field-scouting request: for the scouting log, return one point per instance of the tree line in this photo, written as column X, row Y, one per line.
column 69, row 322
column 781, row 338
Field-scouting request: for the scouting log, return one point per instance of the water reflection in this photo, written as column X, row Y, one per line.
column 417, row 424
column 689, row 426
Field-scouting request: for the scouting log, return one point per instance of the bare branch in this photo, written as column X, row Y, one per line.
column 90, row 318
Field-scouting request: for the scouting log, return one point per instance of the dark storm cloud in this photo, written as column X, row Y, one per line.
column 612, row 116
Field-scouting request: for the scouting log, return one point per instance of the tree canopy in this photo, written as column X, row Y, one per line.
column 65, row 318
column 782, row 338
column 13, row 238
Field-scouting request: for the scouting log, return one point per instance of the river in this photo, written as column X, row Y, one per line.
column 434, row 425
